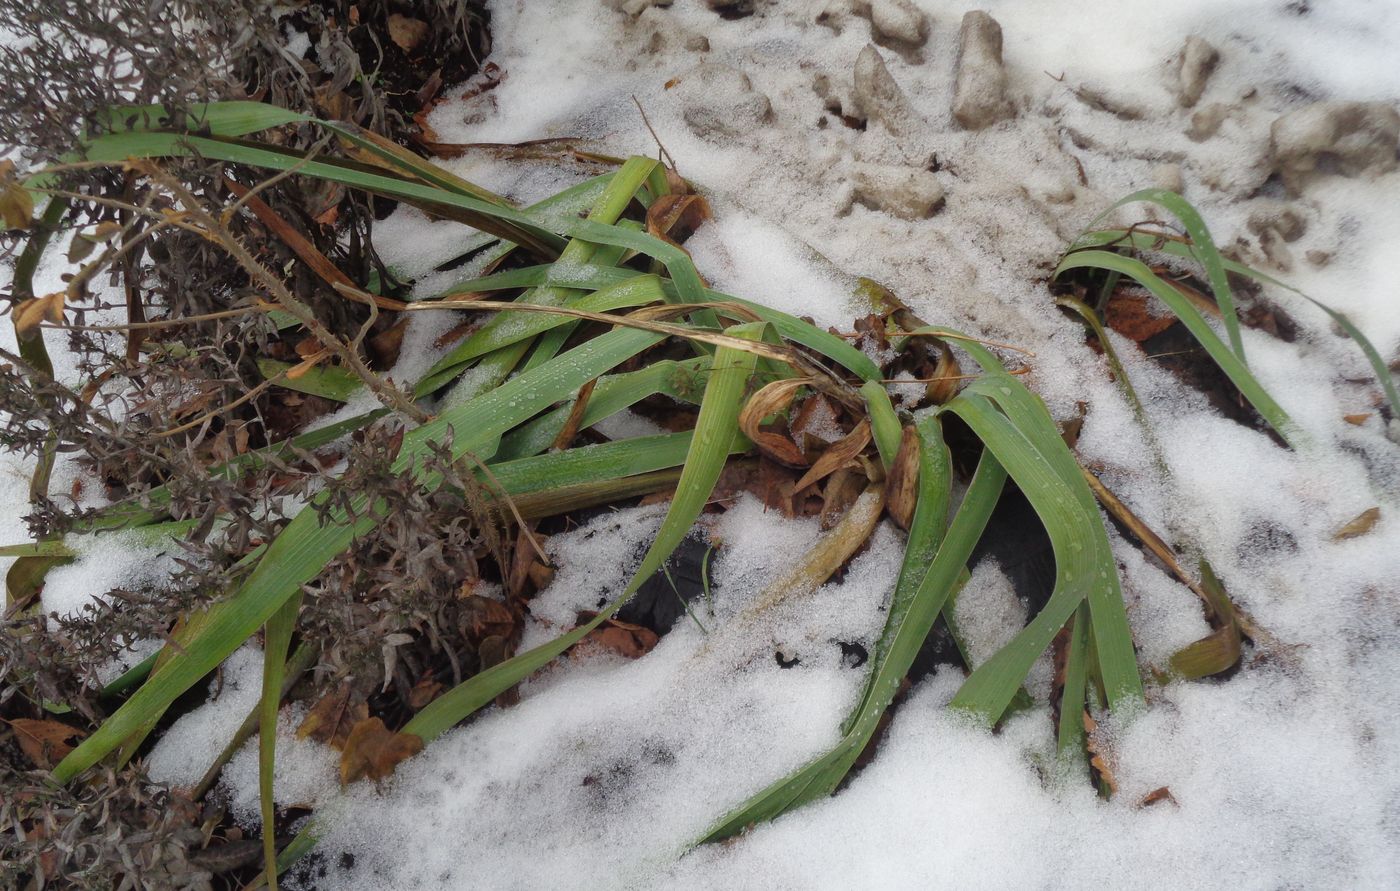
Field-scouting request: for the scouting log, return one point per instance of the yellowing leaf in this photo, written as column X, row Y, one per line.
column 16, row 204
column 31, row 312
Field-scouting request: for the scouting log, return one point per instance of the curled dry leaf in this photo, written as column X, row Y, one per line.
column 44, row 742
column 16, row 204
column 771, row 399
column 373, row 750
column 947, row 376
column 31, row 312
column 1358, row 526
column 675, row 216
column 901, row 486
column 333, row 717
column 1358, row 419
column 839, row 455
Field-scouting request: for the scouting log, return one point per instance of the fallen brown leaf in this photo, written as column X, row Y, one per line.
column 1128, row 314
column 331, row 720
column 623, row 638
column 373, row 750
column 44, row 742
column 407, row 33
column 423, row 692
column 1157, row 796
column 1358, row 419
column 1359, row 526
column 486, row 617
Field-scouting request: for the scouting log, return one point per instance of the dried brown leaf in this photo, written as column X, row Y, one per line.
column 1130, row 316
column 373, row 750
column 839, row 455
column 902, row 484
column 423, row 692
column 44, row 742
column 1358, row 526
column 407, row 33
column 1157, row 796
column 333, row 717
column 623, row 638
column 770, row 400
column 33, row 311
column 674, row 216
column 16, row 204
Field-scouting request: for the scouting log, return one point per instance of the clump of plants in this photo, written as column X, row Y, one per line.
column 410, row 557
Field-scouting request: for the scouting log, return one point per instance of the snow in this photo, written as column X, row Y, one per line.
column 608, row 770
column 189, row 746
column 118, row 560
column 581, row 779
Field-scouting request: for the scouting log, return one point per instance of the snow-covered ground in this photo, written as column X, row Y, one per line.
column 1286, row 775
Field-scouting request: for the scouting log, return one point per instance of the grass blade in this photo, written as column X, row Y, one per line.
column 1272, row 413
column 715, row 431
column 299, row 552
column 276, row 642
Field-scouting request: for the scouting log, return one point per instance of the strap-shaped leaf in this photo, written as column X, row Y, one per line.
column 307, row 544
column 1202, row 248
column 715, row 431
column 921, row 591
column 1234, row 368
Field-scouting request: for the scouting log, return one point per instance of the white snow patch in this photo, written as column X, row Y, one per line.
column 189, row 746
